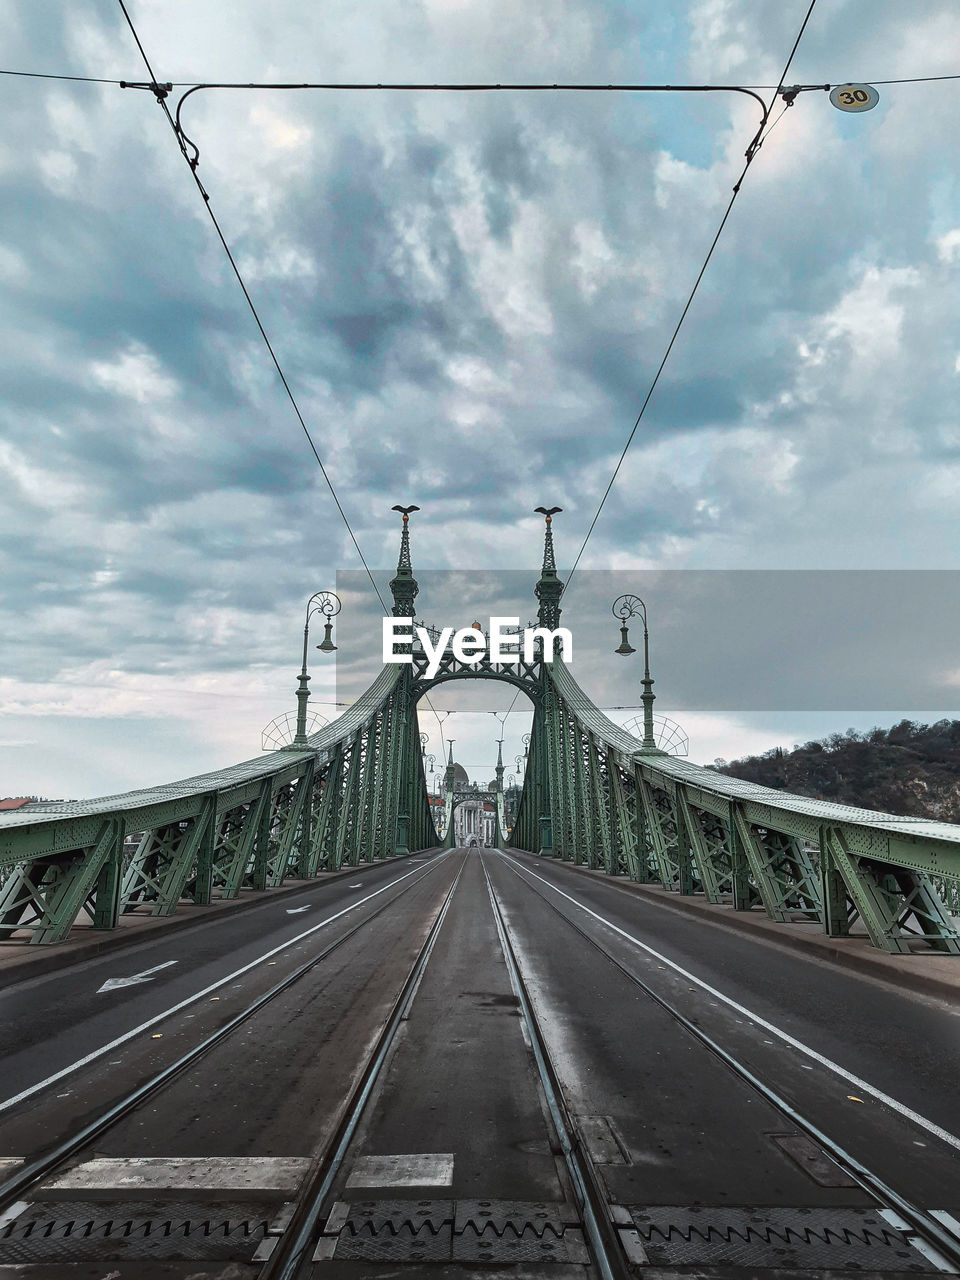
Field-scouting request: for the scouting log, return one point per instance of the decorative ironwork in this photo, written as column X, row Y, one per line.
column 282, row 730
column 356, row 790
column 667, row 734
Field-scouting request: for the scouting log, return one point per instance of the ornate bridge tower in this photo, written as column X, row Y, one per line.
column 593, row 793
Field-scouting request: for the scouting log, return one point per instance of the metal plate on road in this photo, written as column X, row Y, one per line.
column 813, row 1160
column 602, row 1140
column 806, row 1239
column 483, row 1231
column 77, row 1231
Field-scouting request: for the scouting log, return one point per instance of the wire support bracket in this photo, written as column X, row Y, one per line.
column 160, row 91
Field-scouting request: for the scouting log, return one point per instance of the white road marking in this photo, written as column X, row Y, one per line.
column 14, row 1212
column 425, row 1170
column 183, row 1004
column 295, row 911
column 901, row 1108
column 112, row 984
column 218, row 1176
column 946, row 1220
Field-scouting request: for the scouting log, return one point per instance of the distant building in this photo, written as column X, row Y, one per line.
column 475, row 823
column 16, row 802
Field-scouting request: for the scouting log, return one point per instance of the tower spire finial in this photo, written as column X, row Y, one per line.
column 549, row 589
column 548, row 513
column 404, row 586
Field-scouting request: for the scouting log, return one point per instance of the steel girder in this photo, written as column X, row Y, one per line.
column 590, row 795
column 356, row 792
column 653, row 817
column 45, row 895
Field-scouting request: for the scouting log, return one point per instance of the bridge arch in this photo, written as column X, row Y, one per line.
column 355, row 791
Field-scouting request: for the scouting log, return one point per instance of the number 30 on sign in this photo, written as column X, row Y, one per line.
column 854, row 97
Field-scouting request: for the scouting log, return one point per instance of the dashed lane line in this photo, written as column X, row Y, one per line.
column 199, row 995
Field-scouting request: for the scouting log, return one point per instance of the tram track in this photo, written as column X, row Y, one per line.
column 295, row 1247
column 326, row 1216
column 584, row 1178
column 942, row 1246
column 35, row 1170
column 304, row 1239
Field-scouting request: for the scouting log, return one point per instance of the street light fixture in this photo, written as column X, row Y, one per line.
column 327, row 603
column 625, row 607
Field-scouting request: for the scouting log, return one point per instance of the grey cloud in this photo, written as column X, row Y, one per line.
column 490, row 286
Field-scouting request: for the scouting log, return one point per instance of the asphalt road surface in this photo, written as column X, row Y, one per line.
column 674, row 1069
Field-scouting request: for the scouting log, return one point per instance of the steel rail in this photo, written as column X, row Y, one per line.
column 293, row 1247
column 13, row 1187
column 923, row 1224
column 586, row 1182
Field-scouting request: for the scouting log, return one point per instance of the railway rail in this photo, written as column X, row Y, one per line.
column 320, row 1216
column 324, row 1230
column 923, row 1228
column 34, row 1170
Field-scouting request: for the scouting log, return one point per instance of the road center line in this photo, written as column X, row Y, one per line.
column 901, row 1108
column 152, row 1022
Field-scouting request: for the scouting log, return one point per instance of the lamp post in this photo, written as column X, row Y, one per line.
column 327, row 603
column 625, row 607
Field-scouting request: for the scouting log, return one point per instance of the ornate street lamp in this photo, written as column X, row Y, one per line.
column 625, row 607
column 327, row 603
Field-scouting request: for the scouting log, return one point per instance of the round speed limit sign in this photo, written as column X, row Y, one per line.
column 854, row 97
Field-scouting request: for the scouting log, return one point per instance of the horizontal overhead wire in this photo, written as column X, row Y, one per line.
column 415, row 87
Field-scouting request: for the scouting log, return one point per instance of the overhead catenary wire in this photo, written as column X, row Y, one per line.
column 418, row 87
column 161, row 99
column 478, row 87
column 253, row 309
column 751, row 154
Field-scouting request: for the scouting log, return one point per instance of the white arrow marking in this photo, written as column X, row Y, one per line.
column 7, row 1103
column 112, row 984
column 295, row 911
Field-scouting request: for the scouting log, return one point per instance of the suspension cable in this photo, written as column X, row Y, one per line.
column 750, row 155
column 160, row 93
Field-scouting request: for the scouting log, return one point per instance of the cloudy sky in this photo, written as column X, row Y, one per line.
column 470, row 295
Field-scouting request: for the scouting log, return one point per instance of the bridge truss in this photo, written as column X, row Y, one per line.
column 592, row 795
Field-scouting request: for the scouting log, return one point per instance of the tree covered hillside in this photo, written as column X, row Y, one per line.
column 911, row 768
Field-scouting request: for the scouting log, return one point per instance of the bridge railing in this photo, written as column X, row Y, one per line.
column 286, row 813
column 663, row 820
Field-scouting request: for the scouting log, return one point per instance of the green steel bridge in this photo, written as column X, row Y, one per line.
column 593, row 794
